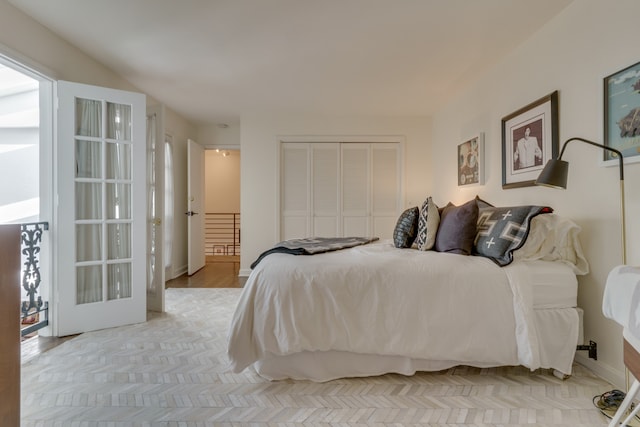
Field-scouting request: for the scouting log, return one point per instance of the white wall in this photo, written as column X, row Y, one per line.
column 588, row 41
column 259, row 157
column 214, row 136
column 181, row 131
column 222, row 181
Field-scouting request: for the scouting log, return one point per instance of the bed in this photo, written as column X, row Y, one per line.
column 376, row 308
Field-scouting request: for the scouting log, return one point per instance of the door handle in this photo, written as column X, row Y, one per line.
column 191, row 213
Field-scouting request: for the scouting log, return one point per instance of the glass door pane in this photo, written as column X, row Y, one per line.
column 88, row 117
column 103, row 200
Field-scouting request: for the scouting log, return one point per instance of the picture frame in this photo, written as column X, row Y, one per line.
column 529, row 139
column 622, row 114
column 471, row 161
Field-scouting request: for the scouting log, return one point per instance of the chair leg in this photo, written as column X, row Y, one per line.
column 631, row 395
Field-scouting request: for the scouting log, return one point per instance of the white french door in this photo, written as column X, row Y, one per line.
column 195, row 207
column 100, row 213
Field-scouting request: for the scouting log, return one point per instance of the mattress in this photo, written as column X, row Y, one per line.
column 553, row 285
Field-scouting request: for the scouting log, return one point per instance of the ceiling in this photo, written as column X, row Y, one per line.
column 213, row 60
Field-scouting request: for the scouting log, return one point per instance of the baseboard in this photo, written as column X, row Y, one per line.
column 244, row 272
column 180, row 271
column 604, row 371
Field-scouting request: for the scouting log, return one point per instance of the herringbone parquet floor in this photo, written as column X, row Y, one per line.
column 170, row 372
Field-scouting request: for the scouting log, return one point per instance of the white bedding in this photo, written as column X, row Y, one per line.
column 376, row 300
column 554, row 285
column 621, row 300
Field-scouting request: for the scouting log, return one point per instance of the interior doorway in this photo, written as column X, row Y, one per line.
column 223, row 235
column 26, row 184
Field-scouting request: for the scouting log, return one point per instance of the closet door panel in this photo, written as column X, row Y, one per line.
column 356, row 226
column 355, row 189
column 325, row 160
column 294, row 196
column 294, row 227
column 325, row 226
column 386, row 188
column 355, row 178
column 385, row 178
column 383, row 226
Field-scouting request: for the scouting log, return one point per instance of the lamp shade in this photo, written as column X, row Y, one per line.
column 554, row 174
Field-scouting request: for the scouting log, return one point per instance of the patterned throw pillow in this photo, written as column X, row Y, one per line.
column 457, row 229
column 502, row 230
column 428, row 225
column 406, row 228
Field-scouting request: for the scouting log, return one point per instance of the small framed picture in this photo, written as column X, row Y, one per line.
column 622, row 114
column 471, row 161
column 529, row 139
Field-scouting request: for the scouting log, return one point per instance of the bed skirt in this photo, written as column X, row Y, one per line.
column 558, row 332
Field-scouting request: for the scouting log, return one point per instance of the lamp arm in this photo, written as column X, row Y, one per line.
column 604, row 147
column 622, row 208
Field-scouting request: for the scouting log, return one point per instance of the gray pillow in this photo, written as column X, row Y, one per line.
column 457, row 229
column 406, row 229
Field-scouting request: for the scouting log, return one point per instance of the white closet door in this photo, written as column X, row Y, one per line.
column 386, row 189
column 340, row 189
column 325, row 160
column 356, row 190
column 295, row 195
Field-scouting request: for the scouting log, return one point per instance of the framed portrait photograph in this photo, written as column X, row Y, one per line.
column 471, row 161
column 622, row 114
column 529, row 139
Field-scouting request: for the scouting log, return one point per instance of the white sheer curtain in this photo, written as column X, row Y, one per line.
column 103, row 192
column 118, row 161
column 88, row 200
column 168, row 205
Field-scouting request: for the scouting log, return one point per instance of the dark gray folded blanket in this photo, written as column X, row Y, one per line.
column 314, row 245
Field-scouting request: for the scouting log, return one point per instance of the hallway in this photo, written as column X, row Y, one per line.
column 220, row 271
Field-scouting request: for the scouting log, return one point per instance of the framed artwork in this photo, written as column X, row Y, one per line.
column 529, row 139
column 471, row 161
column 622, row 114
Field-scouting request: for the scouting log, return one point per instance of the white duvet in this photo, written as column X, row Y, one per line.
column 376, row 299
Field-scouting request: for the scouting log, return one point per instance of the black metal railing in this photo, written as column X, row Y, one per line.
column 34, row 312
column 222, row 233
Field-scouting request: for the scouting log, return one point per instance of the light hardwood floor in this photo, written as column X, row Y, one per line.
column 220, row 271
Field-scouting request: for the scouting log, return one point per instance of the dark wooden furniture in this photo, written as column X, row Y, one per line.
column 10, row 325
column 626, row 409
column 631, row 359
